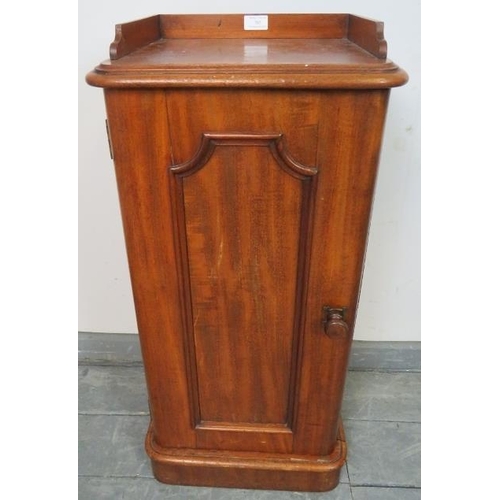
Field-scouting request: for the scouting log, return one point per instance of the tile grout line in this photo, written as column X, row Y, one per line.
column 139, row 364
column 147, row 414
column 135, row 476
column 110, row 364
column 349, row 479
column 345, row 419
column 385, row 370
column 351, row 486
column 388, row 486
column 114, row 414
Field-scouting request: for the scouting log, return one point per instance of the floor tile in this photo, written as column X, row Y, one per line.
column 381, row 412
column 382, row 396
column 112, row 390
column 383, row 453
column 113, row 348
column 344, row 477
column 387, row 356
column 113, row 445
column 90, row 488
column 371, row 493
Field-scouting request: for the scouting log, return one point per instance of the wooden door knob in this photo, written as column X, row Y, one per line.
column 333, row 322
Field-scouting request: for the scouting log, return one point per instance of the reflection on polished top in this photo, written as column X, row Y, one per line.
column 216, row 52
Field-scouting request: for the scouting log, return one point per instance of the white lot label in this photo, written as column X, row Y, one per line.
column 255, row 22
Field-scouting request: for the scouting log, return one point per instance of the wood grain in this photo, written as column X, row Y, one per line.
column 367, row 34
column 271, row 471
column 232, row 26
column 246, row 350
column 134, row 35
column 246, row 211
column 138, row 126
column 237, row 298
column 344, row 198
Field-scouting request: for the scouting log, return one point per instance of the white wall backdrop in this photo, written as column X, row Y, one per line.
column 389, row 306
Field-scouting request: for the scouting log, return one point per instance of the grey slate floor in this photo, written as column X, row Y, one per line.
column 381, row 413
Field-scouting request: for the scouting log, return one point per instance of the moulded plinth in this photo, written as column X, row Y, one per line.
column 231, row 469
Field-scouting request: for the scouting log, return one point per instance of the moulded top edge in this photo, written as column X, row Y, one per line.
column 311, row 50
column 367, row 33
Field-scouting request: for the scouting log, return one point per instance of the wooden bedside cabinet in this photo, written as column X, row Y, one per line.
column 246, row 151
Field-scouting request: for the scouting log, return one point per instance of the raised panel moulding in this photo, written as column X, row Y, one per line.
column 222, row 333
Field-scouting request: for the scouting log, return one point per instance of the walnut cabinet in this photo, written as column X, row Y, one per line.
column 246, row 151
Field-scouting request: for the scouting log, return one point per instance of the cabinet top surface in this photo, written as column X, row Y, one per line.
column 283, row 50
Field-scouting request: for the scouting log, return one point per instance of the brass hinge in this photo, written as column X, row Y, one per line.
column 109, row 140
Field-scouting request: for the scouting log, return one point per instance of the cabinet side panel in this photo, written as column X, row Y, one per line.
column 138, row 129
column 350, row 138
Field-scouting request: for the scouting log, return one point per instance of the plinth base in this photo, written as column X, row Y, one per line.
column 251, row 470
